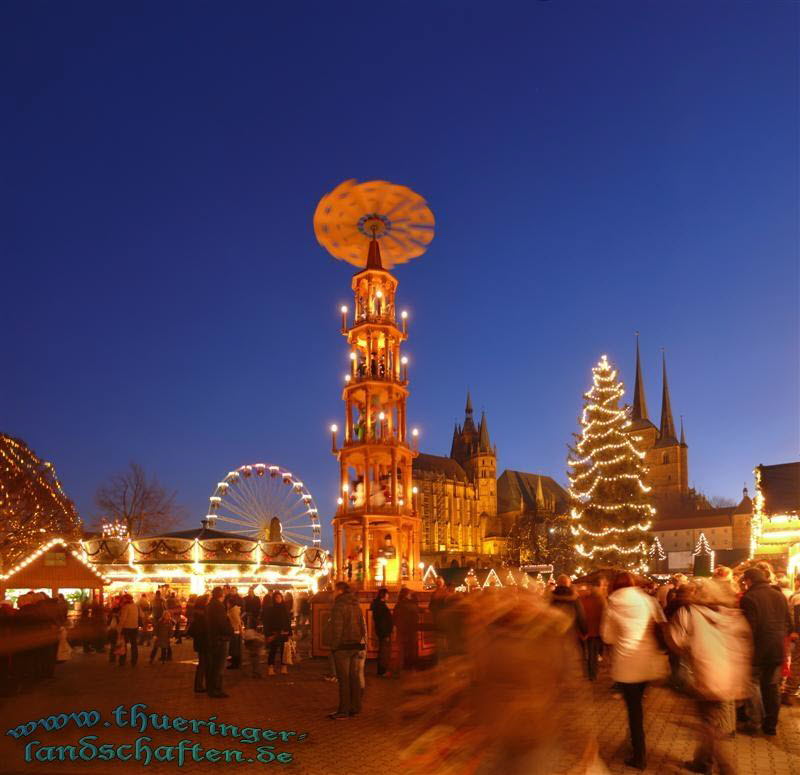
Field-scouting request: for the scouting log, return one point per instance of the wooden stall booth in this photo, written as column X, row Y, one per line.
column 53, row 567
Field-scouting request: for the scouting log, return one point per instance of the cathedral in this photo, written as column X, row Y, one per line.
column 467, row 511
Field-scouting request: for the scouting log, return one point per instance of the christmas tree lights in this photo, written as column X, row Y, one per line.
column 33, row 505
column 611, row 513
column 703, row 557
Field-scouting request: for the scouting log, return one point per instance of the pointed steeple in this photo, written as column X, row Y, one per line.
column 456, row 440
column 683, row 434
column 483, row 435
column 667, row 429
column 639, row 411
column 469, row 425
column 374, row 255
column 539, row 493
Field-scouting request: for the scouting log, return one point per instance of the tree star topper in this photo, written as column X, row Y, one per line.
column 353, row 214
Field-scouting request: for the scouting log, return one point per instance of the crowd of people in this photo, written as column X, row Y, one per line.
column 726, row 641
column 729, row 641
column 30, row 637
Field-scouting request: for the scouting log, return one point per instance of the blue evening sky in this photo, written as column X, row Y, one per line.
column 594, row 168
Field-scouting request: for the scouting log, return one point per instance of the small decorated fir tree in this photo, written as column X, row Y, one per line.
column 611, row 511
column 703, row 556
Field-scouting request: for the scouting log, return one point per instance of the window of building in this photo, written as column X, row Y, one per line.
column 665, row 458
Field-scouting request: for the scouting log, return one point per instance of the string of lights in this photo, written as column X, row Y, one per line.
column 606, row 479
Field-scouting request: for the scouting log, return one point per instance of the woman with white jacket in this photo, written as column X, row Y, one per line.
column 629, row 626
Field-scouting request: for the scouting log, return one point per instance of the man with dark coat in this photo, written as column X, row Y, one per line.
column 767, row 612
column 252, row 609
column 218, row 633
column 382, row 619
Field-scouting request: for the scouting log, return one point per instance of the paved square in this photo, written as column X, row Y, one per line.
column 300, row 701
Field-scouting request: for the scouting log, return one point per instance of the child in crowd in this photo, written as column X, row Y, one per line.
column 163, row 633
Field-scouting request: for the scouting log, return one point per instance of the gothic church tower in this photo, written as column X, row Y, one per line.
column 473, row 450
column 666, row 457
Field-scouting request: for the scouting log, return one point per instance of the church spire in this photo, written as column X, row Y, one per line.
column 639, row 403
column 469, row 426
column 456, row 439
column 667, row 429
column 483, row 435
column 683, row 434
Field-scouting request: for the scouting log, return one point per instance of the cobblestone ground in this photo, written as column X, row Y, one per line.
column 300, row 701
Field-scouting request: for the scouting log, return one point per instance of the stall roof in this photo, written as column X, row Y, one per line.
column 53, row 566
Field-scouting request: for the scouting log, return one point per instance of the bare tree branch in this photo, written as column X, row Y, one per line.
column 139, row 503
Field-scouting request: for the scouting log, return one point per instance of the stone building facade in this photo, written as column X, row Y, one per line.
column 467, row 511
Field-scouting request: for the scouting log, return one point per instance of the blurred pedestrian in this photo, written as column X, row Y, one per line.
column 713, row 635
column 628, row 627
column 594, row 605
column 564, row 599
column 406, row 621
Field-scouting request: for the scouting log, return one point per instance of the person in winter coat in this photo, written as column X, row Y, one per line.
column 234, row 603
column 348, row 639
column 563, row 597
column 767, row 612
column 277, row 629
column 594, row 605
column 406, row 621
column 714, row 637
column 163, row 632
column 158, row 606
column 219, row 631
column 636, row 658
column 198, row 632
column 129, row 620
column 252, row 609
column 382, row 620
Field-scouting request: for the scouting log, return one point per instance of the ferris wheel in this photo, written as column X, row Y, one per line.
column 266, row 501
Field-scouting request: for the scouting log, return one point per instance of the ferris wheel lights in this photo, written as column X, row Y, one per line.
column 215, row 499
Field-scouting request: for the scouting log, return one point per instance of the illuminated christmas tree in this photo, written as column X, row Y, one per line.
column 33, row 505
column 703, row 556
column 611, row 512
